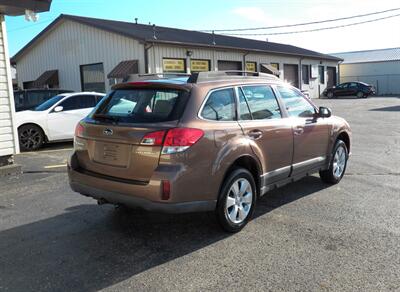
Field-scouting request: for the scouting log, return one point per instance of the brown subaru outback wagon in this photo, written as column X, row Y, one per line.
column 211, row 141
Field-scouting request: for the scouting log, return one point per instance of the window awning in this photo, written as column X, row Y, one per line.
column 271, row 69
column 124, row 69
column 48, row 78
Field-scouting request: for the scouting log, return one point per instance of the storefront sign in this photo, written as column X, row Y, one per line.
column 199, row 65
column 174, row 65
column 251, row 66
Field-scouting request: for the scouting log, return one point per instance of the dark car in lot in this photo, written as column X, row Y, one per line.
column 358, row 89
column 30, row 98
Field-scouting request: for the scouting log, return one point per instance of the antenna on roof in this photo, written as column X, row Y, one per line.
column 154, row 32
column 136, row 19
column 213, row 38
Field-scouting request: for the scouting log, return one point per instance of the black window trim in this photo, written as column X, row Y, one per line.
column 271, row 86
column 81, row 75
column 71, row 96
column 235, row 99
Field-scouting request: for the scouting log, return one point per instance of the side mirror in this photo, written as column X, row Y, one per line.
column 58, row 109
column 324, row 112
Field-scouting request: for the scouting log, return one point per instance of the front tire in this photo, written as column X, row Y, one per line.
column 360, row 94
column 31, row 137
column 337, row 165
column 237, row 200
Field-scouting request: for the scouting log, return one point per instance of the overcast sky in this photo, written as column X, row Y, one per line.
column 226, row 14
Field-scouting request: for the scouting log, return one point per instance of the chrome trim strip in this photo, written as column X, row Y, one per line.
column 275, row 172
column 309, row 162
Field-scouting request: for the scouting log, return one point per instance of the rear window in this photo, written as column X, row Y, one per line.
column 142, row 105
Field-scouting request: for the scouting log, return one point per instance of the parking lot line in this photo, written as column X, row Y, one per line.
column 55, row 166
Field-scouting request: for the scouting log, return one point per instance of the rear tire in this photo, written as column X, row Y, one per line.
column 236, row 201
column 330, row 95
column 337, row 165
column 360, row 94
column 31, row 137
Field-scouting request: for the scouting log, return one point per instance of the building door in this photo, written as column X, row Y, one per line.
column 229, row 65
column 331, row 72
column 291, row 74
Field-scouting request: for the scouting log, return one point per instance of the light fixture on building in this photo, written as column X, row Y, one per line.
column 31, row 15
column 189, row 53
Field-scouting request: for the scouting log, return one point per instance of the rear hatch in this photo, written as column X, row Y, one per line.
column 114, row 139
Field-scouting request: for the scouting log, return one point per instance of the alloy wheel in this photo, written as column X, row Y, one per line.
column 30, row 138
column 239, row 201
column 339, row 162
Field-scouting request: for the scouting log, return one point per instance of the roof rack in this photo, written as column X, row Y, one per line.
column 154, row 76
column 228, row 75
column 203, row 76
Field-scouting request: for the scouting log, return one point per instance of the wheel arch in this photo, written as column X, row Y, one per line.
column 247, row 162
column 37, row 125
column 345, row 137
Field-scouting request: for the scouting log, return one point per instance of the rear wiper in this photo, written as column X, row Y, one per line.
column 106, row 117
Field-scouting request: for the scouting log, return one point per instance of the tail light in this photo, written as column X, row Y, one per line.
column 79, row 130
column 176, row 139
column 153, row 139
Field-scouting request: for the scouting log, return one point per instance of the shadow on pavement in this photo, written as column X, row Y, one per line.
column 395, row 108
column 89, row 247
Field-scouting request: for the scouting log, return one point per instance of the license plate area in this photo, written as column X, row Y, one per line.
column 112, row 154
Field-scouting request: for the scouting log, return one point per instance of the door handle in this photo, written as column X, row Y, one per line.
column 298, row 130
column 255, row 134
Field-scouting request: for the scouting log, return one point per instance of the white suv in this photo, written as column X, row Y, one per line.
column 54, row 119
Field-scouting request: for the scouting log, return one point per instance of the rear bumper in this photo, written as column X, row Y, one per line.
column 130, row 194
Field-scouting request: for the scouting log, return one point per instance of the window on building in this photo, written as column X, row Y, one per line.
column 262, row 102
column 174, row 65
column 92, row 77
column 220, row 106
column 199, row 65
column 296, row 104
column 229, row 65
column 305, row 74
column 251, row 66
column 321, row 74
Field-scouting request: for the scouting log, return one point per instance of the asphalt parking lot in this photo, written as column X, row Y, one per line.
column 307, row 236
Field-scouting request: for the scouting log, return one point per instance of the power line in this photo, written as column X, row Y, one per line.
column 304, row 23
column 312, row 30
column 30, row 25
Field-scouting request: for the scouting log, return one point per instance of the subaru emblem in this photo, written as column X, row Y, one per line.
column 108, row 132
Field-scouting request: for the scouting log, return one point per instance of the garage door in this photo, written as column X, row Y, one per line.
column 291, row 74
column 331, row 72
column 229, row 65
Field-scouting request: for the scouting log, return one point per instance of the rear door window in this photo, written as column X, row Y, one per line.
column 142, row 105
column 220, row 106
column 262, row 102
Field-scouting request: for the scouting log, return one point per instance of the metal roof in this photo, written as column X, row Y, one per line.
column 382, row 55
column 174, row 36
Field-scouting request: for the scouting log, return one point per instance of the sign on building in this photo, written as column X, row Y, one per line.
column 174, row 65
column 199, row 65
column 251, row 66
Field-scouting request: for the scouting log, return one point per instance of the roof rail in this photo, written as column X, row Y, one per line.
column 228, row 75
column 154, row 76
